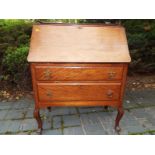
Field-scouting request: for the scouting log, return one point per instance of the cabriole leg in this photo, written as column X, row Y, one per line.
column 118, row 118
column 37, row 117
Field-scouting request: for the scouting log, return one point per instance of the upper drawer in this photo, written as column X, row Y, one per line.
column 78, row 73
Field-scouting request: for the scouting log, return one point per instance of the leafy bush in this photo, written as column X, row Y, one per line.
column 141, row 39
column 14, row 42
column 14, row 33
column 15, row 62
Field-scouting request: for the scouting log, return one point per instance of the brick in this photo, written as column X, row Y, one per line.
column 4, row 126
column 151, row 111
column 5, row 105
column 89, row 118
column 151, row 120
column 28, row 124
column 145, row 123
column 92, row 125
column 52, row 132
column 144, row 97
column 14, row 126
column 20, row 104
column 71, row 120
column 135, row 129
column 57, row 122
column 47, row 123
column 15, row 114
column 90, row 109
column 73, row 131
column 94, row 129
column 9, row 126
column 106, row 116
column 132, row 102
column 3, row 113
column 139, row 113
column 29, row 113
column 128, row 120
column 63, row 111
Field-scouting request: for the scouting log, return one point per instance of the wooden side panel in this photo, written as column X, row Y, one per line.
column 125, row 70
column 34, row 85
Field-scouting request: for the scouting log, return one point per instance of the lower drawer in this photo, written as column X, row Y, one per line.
column 78, row 91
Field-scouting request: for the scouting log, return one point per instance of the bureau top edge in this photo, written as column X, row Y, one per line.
column 84, row 24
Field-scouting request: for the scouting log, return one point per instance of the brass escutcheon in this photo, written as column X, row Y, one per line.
column 49, row 93
column 47, row 74
column 112, row 75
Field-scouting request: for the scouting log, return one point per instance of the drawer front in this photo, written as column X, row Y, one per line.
column 53, row 73
column 78, row 91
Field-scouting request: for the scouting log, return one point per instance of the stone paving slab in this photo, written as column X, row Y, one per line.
column 90, row 109
column 63, row 111
column 47, row 123
column 28, row 124
column 57, row 122
column 52, row 132
column 5, row 105
column 10, row 126
column 71, row 120
column 15, row 114
column 3, row 113
column 139, row 118
column 29, row 113
column 78, row 130
column 94, row 129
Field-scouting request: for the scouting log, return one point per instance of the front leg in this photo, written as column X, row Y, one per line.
column 38, row 118
column 106, row 107
column 49, row 109
column 118, row 118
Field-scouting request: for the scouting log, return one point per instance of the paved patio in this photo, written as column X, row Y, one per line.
column 17, row 117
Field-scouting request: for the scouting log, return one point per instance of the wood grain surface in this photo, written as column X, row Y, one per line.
column 78, row 43
column 78, row 73
column 78, row 91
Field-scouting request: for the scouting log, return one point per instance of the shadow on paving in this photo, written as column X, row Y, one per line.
column 139, row 118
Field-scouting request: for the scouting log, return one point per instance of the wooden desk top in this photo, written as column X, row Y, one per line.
column 78, row 43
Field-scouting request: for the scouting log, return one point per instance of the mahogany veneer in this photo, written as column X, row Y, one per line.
column 78, row 65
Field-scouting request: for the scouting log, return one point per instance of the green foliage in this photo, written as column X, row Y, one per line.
column 14, row 33
column 15, row 62
column 141, row 39
column 14, row 42
column 15, row 59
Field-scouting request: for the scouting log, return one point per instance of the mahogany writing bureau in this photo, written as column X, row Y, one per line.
column 78, row 65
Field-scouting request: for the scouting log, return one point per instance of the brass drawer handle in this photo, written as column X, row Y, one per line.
column 49, row 93
column 110, row 93
column 112, row 75
column 47, row 74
